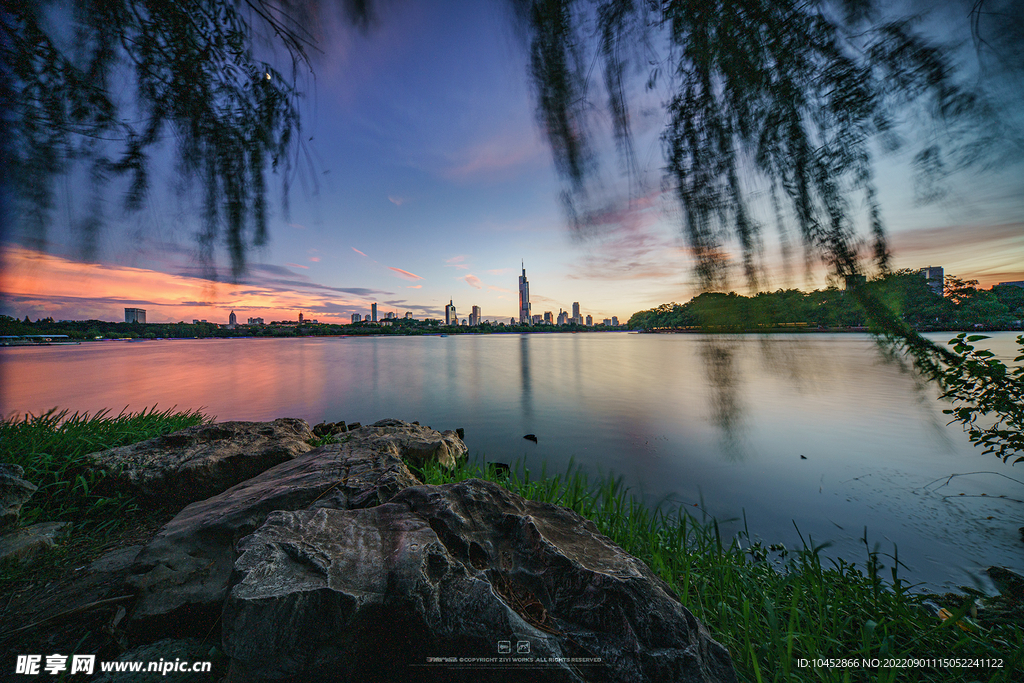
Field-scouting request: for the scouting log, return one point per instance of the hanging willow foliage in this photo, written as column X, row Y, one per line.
column 791, row 98
column 183, row 69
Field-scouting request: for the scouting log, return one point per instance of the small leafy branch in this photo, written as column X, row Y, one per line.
column 981, row 386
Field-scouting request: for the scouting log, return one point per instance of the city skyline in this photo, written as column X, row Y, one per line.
column 429, row 177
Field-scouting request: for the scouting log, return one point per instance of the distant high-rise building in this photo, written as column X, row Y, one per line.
column 135, row 315
column 373, row 312
column 449, row 313
column 524, row 298
column 474, row 317
column 563, row 317
column 300, row 317
column 590, row 321
column 232, row 321
column 576, row 313
column 357, row 318
column 390, row 315
column 615, row 321
column 408, row 315
column 537, row 319
column 606, row 322
column 253, row 321
column 934, row 277
column 195, row 321
column 511, row 321
column 549, row 317
column 465, row 322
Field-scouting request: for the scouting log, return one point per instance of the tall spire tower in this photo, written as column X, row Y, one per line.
column 524, row 298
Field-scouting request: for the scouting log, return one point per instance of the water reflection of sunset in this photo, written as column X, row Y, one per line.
column 42, row 285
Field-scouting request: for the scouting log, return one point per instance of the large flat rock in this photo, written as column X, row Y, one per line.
column 198, row 462
column 452, row 571
column 182, row 576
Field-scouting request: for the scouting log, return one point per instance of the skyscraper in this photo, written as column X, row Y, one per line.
column 590, row 321
column 300, row 317
column 356, row 318
column 524, row 298
column 449, row 313
column 232, row 320
column 135, row 315
column 474, row 317
column 576, row 313
column 373, row 312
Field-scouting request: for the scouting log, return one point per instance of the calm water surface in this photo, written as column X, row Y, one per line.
column 683, row 418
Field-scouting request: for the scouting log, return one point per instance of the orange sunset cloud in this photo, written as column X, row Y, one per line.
column 40, row 285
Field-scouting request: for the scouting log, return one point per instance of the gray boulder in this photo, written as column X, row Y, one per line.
column 14, row 491
column 416, row 443
column 182, row 575
column 22, row 545
column 412, row 589
column 198, row 462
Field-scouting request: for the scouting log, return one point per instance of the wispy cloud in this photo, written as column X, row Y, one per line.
column 501, row 156
column 414, row 287
column 473, row 281
column 314, row 259
column 397, row 201
column 296, row 265
column 405, row 273
column 457, row 262
column 359, row 252
column 297, row 225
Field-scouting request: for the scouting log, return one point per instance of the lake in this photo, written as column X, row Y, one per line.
column 720, row 422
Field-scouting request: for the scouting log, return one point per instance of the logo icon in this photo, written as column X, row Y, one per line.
column 504, row 647
column 523, row 647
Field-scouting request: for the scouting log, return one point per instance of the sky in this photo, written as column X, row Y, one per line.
column 424, row 178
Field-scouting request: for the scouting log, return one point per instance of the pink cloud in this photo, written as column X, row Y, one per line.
column 406, row 274
column 498, row 156
column 473, row 281
column 296, row 265
column 397, row 201
column 359, row 252
column 414, row 287
column 457, row 262
column 314, row 259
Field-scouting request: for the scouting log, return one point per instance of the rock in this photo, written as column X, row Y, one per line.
column 183, row 573
column 199, row 462
column 415, row 443
column 24, row 544
column 354, row 425
column 461, row 433
column 14, row 491
column 443, row 571
column 499, row 469
column 329, row 428
column 1010, row 584
column 531, row 437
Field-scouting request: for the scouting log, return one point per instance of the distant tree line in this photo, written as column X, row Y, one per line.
column 85, row 330
column 906, row 293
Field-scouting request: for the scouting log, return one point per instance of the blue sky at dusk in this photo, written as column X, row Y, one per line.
column 423, row 176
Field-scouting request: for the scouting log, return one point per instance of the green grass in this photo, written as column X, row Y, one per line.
column 52, row 448
column 769, row 606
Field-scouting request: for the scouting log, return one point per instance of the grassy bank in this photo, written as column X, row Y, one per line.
column 771, row 607
column 51, row 448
